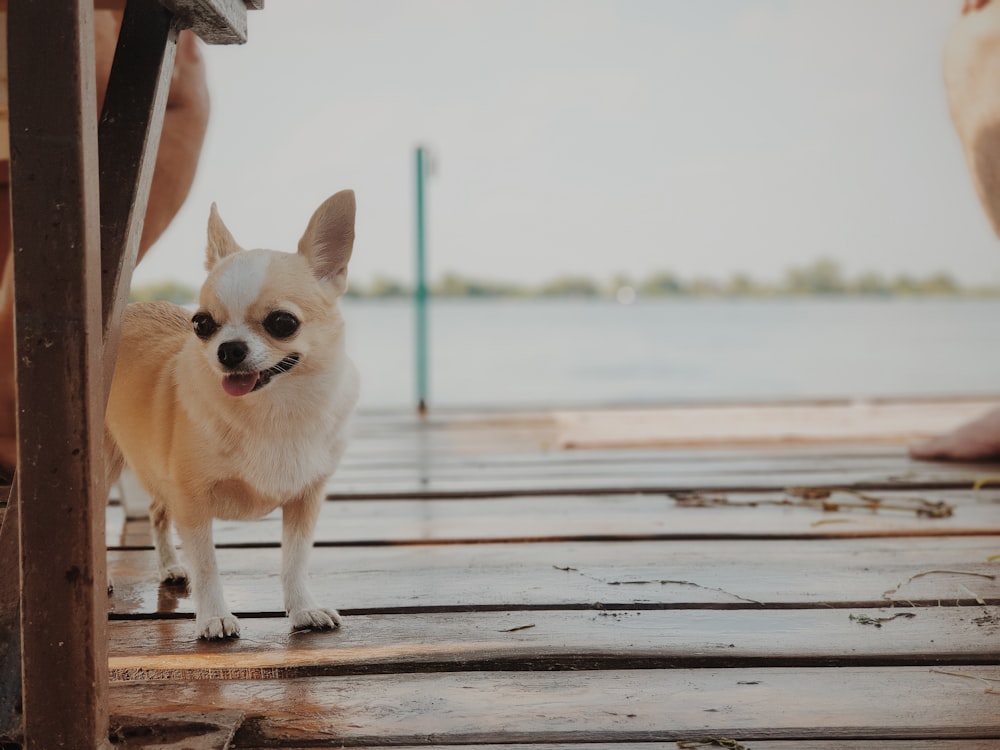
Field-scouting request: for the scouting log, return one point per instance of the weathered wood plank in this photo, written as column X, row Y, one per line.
column 450, row 455
column 367, row 456
column 484, row 641
column 758, row 425
column 711, row 516
column 764, row 472
column 682, row 574
column 56, row 247
column 591, row 706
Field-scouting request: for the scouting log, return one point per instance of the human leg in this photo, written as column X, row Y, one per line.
column 972, row 79
column 184, row 125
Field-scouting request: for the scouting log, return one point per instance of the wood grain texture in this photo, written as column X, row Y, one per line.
column 56, row 247
column 710, row 516
column 593, row 706
column 656, row 575
column 387, row 475
column 557, row 620
column 531, row 641
column 215, row 21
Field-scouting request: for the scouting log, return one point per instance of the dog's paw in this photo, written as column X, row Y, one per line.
column 315, row 619
column 211, row 628
column 173, row 574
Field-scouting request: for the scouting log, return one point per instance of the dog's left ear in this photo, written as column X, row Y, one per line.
column 329, row 239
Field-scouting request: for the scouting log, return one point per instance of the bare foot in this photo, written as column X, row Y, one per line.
column 978, row 440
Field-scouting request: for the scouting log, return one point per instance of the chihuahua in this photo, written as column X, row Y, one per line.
column 241, row 408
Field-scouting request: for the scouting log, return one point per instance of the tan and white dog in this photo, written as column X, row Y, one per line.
column 241, row 408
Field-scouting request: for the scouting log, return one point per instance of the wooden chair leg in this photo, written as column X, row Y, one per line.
column 58, row 334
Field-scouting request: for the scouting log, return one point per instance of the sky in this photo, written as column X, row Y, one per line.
column 593, row 137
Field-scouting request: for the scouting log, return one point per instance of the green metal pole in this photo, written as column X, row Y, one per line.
column 420, row 291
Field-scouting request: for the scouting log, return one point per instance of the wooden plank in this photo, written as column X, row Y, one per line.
column 753, row 471
column 605, row 517
column 470, row 490
column 56, row 246
column 129, row 135
column 403, row 456
column 592, row 706
column 381, row 451
column 709, row 744
column 786, row 423
column 399, row 461
column 215, row 21
column 484, row 641
column 654, row 575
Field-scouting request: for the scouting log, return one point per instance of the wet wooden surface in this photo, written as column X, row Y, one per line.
column 573, row 597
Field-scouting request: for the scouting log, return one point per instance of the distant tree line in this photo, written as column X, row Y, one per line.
column 820, row 278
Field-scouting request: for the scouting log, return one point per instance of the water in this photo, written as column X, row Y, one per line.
column 552, row 353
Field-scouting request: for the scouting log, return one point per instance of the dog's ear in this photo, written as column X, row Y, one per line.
column 220, row 241
column 329, row 239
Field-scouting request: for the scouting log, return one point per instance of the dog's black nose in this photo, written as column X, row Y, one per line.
column 231, row 353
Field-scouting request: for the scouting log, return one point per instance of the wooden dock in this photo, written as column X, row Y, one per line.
column 498, row 590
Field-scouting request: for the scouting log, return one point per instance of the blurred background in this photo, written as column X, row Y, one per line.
column 629, row 202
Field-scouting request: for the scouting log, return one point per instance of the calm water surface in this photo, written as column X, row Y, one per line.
column 544, row 353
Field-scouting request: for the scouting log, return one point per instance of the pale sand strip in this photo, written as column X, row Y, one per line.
column 860, row 421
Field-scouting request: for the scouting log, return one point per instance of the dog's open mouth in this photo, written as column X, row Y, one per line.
column 242, row 383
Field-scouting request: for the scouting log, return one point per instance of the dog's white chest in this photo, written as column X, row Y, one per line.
column 283, row 467
column 280, row 451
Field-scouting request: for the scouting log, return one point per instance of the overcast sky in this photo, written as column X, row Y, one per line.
column 594, row 137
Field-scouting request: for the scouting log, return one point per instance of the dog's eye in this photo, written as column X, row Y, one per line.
column 281, row 324
column 204, row 325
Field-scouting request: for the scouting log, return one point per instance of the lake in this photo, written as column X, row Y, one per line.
column 563, row 353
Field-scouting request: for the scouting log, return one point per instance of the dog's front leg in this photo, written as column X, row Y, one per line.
column 212, row 616
column 298, row 523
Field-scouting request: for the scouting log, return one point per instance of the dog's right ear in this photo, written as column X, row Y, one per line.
column 220, row 241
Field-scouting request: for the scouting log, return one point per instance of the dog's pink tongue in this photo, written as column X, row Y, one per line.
column 239, row 385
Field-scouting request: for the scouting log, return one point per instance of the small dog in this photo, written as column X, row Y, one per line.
column 241, row 408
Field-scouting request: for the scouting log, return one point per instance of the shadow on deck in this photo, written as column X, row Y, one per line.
column 499, row 590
